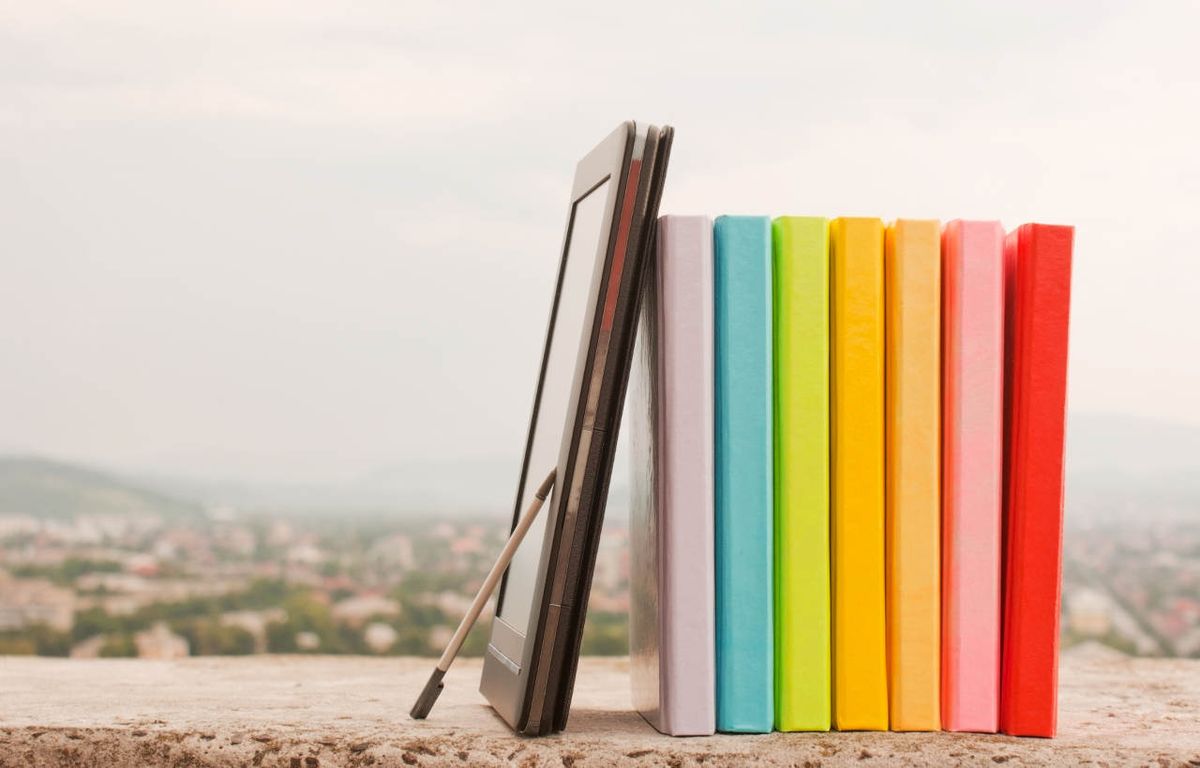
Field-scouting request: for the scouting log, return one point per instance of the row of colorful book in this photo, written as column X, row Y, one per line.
column 847, row 475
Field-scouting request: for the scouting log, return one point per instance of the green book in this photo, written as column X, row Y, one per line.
column 802, row 629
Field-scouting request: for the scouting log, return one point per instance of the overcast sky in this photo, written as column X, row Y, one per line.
column 301, row 240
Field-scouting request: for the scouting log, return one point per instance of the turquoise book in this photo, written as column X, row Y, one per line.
column 744, row 473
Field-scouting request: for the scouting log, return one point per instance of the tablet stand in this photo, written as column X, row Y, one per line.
column 433, row 687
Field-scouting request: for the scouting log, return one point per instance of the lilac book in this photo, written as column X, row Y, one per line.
column 671, row 623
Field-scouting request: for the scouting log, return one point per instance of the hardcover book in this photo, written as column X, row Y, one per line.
column 671, row 621
column 913, row 400
column 802, row 663
column 1038, row 261
column 744, row 474
column 972, row 467
column 860, row 697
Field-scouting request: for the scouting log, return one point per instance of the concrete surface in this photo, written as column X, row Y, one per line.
column 309, row 712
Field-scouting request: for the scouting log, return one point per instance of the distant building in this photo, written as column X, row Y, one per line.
column 17, row 525
column 124, row 593
column 110, row 583
column 142, row 564
column 301, row 574
column 1188, row 609
column 466, row 545
column 280, row 534
column 238, row 540
column 1089, row 613
column 28, row 602
column 439, row 636
column 380, row 637
column 88, row 649
column 395, row 550
column 306, row 553
column 452, row 604
column 308, row 641
column 159, row 642
column 254, row 622
column 357, row 610
column 114, row 605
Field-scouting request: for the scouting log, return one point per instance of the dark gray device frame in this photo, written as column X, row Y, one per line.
column 534, row 698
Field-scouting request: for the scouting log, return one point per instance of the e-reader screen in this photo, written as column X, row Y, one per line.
column 586, row 229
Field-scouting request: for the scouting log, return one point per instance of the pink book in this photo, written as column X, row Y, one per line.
column 672, row 592
column 972, row 472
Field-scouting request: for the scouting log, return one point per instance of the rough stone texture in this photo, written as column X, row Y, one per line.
column 308, row 712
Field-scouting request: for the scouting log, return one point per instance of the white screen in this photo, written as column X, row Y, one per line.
column 586, row 231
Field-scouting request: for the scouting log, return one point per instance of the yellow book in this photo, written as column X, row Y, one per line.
column 913, row 290
column 860, row 699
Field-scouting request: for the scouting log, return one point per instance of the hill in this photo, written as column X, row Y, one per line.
column 1137, row 457
column 1115, row 464
column 51, row 489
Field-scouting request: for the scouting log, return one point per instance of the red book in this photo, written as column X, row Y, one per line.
column 1038, row 299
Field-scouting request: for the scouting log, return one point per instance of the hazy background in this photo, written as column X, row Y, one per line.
column 295, row 243
column 298, row 256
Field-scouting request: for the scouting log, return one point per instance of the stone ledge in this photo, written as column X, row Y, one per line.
column 314, row 712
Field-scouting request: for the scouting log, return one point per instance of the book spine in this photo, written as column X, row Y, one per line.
column 1038, row 259
column 859, row 644
column 642, row 417
column 912, row 279
column 972, row 466
column 802, row 628
column 686, row 434
column 744, row 483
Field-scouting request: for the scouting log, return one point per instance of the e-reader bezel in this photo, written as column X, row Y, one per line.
column 528, row 678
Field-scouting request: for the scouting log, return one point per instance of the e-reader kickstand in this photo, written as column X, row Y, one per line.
column 434, row 686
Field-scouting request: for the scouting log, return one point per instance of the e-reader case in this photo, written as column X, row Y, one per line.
column 528, row 677
column 671, row 617
column 744, row 474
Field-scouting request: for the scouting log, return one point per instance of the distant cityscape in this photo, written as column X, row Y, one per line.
column 93, row 567
column 1135, row 588
column 133, row 581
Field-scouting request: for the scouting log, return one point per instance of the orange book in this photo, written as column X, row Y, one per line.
column 913, row 399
